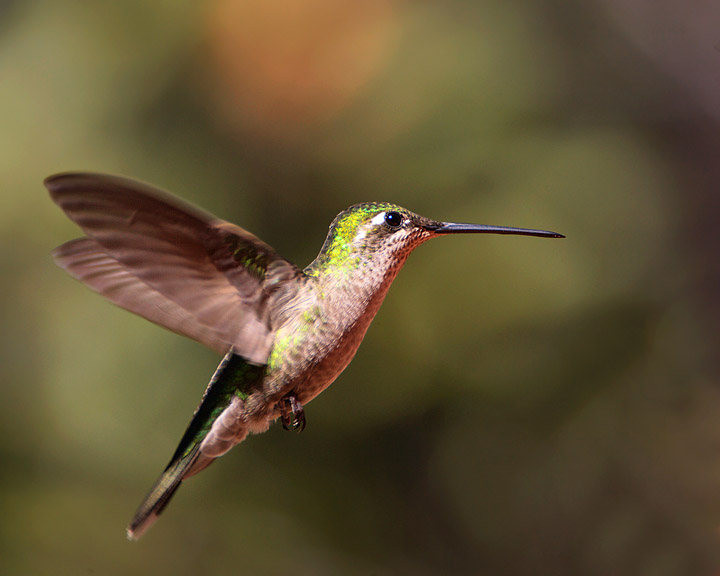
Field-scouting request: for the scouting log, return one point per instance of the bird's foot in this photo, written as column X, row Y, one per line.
column 292, row 414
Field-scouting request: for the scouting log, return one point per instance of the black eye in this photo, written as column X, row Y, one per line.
column 393, row 219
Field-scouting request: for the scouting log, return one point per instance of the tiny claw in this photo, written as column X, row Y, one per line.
column 292, row 414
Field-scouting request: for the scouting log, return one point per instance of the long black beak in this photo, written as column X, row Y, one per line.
column 458, row 228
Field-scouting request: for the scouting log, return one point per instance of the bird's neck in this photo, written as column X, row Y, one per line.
column 356, row 286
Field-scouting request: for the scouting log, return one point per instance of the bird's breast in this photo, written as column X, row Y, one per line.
column 318, row 342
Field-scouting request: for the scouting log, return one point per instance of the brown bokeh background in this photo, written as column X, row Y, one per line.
column 519, row 405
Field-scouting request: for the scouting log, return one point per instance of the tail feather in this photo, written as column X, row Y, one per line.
column 211, row 433
column 160, row 494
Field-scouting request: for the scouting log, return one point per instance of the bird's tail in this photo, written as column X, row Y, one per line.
column 208, row 436
column 161, row 493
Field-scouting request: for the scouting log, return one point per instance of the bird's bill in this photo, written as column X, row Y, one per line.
column 460, row 228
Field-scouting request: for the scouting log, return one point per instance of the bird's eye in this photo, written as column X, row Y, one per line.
column 393, row 219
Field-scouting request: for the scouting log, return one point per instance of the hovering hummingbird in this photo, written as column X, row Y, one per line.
column 285, row 333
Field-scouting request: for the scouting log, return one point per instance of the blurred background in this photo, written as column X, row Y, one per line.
column 519, row 405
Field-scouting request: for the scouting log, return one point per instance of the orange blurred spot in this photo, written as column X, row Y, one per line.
column 282, row 67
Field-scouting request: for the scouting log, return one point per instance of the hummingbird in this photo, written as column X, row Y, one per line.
column 285, row 333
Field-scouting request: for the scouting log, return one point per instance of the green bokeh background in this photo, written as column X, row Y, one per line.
column 519, row 405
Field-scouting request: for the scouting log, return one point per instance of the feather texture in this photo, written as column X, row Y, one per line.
column 171, row 262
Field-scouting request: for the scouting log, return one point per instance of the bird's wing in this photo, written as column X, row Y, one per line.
column 85, row 260
column 171, row 262
column 213, row 430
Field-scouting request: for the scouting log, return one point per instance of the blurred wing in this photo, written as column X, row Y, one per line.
column 170, row 262
column 85, row 260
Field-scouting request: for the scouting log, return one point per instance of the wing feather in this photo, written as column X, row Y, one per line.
column 200, row 271
column 85, row 260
